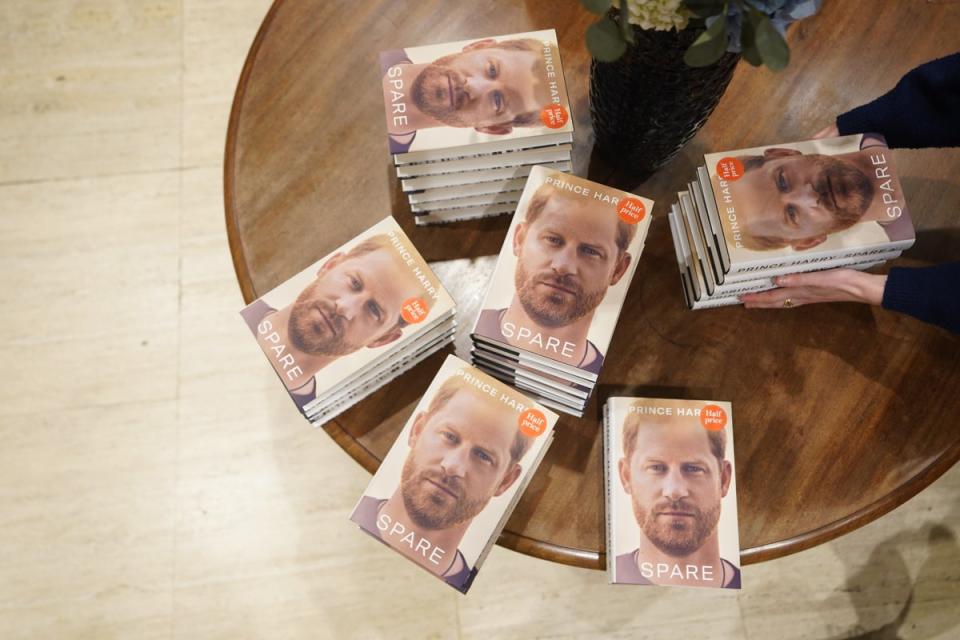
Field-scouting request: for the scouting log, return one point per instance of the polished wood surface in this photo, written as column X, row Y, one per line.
column 842, row 412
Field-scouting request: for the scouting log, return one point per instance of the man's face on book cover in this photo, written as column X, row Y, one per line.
column 797, row 200
column 354, row 302
column 489, row 86
column 566, row 259
column 675, row 484
column 459, row 459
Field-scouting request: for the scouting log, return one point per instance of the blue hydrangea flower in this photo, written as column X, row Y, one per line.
column 782, row 13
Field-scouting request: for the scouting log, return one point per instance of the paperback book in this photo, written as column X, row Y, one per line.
column 787, row 203
column 470, row 111
column 455, row 473
column 561, row 277
column 753, row 214
column 350, row 322
column 671, row 497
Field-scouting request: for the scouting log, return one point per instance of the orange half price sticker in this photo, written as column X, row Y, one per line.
column 533, row 423
column 414, row 310
column 713, row 417
column 554, row 116
column 631, row 210
column 730, row 169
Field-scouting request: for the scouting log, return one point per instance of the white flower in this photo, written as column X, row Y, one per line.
column 659, row 15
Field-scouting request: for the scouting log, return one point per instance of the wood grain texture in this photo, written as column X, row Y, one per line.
column 842, row 412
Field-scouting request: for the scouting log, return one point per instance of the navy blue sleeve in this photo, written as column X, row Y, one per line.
column 931, row 294
column 923, row 110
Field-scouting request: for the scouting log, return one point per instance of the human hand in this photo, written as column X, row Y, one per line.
column 829, row 132
column 833, row 285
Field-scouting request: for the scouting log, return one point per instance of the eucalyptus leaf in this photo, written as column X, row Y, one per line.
column 771, row 45
column 704, row 8
column 604, row 41
column 709, row 46
column 748, row 41
column 596, row 6
column 751, row 55
column 626, row 31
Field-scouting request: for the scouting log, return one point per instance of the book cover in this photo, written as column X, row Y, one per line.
column 469, row 92
column 454, row 474
column 354, row 307
column 813, row 198
column 671, row 493
column 564, row 270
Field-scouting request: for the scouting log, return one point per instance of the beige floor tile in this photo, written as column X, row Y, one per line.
column 860, row 584
column 217, row 36
column 265, row 534
column 95, row 291
column 515, row 596
column 89, row 88
column 88, row 521
column 202, row 209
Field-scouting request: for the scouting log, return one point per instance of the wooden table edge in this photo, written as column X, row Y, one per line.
column 240, row 265
column 517, row 542
column 589, row 559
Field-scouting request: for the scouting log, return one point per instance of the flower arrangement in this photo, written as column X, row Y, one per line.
column 753, row 28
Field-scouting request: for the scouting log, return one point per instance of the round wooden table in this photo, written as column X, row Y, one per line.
column 841, row 411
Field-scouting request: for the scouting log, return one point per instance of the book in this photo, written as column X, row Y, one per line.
column 487, row 162
column 457, row 97
column 562, row 274
column 486, row 199
column 670, row 489
column 332, row 328
column 474, row 112
column 447, row 486
column 463, row 213
column 786, row 203
column 493, row 187
column 454, row 180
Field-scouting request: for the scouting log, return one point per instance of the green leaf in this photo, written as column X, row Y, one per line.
column 604, row 41
column 704, row 8
column 626, row 31
column 748, row 47
column 771, row 45
column 596, row 6
column 751, row 55
column 709, row 46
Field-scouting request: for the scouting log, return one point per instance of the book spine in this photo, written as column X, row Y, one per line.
column 780, row 269
column 608, row 490
column 710, row 303
column 499, row 160
column 760, row 284
column 473, row 177
column 481, row 149
column 762, row 266
column 486, row 200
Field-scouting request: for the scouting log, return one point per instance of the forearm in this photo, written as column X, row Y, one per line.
column 923, row 110
column 931, row 294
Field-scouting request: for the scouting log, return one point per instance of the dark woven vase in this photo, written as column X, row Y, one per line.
column 649, row 103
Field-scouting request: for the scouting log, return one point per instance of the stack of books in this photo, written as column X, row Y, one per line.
column 352, row 321
column 753, row 214
column 455, row 473
column 670, row 493
column 558, row 286
column 467, row 120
